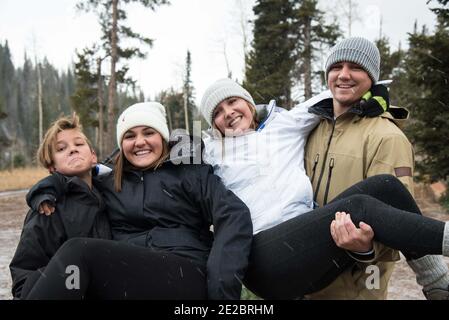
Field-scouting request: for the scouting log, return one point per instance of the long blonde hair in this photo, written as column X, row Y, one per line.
column 121, row 163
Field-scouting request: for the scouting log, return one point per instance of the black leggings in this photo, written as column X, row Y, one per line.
column 114, row 270
column 299, row 256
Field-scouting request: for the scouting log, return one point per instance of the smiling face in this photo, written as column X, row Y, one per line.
column 142, row 146
column 233, row 116
column 348, row 82
column 72, row 155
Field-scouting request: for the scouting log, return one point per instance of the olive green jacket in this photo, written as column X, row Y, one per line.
column 341, row 152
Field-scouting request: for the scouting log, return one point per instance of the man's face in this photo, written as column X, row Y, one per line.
column 348, row 82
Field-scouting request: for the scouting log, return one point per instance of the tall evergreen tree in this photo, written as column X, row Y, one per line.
column 174, row 104
column 390, row 60
column 112, row 18
column 27, row 108
column 6, row 79
column 188, row 94
column 312, row 35
column 84, row 100
column 442, row 11
column 19, row 129
column 427, row 67
column 7, row 103
column 271, row 59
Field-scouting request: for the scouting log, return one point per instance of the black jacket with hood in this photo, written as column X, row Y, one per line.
column 79, row 212
column 172, row 209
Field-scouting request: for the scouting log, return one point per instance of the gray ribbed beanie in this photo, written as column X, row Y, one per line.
column 357, row 50
column 219, row 91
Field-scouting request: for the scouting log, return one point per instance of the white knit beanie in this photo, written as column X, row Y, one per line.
column 151, row 114
column 221, row 90
column 357, row 50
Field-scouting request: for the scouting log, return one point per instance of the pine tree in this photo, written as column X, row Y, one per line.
column 188, row 94
column 271, row 59
column 112, row 18
column 389, row 60
column 427, row 67
column 174, row 104
column 442, row 12
column 7, row 104
column 6, row 79
column 312, row 35
column 27, row 111
column 84, row 100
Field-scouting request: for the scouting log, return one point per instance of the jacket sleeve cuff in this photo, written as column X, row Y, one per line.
column 365, row 257
column 38, row 200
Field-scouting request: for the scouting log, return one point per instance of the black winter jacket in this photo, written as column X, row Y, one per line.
column 79, row 213
column 172, row 209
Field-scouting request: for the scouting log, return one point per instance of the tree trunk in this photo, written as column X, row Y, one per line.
column 100, row 110
column 307, row 59
column 186, row 110
column 170, row 123
column 113, row 81
column 39, row 102
column 350, row 18
column 227, row 61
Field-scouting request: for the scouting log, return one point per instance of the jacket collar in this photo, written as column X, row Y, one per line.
column 398, row 115
column 265, row 113
column 324, row 109
column 77, row 186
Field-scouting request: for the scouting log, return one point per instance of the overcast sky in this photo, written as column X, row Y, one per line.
column 208, row 28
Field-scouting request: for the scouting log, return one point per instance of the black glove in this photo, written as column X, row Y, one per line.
column 375, row 102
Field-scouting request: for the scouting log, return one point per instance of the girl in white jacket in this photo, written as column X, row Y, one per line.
column 262, row 162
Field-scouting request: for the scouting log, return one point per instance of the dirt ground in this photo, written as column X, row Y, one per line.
column 13, row 210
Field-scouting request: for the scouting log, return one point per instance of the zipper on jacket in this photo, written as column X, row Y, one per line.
column 317, row 158
column 315, row 194
column 329, row 176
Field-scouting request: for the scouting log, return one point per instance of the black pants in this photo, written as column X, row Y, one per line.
column 114, row 270
column 299, row 256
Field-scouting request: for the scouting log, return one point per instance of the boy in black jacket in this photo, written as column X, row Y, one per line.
column 68, row 155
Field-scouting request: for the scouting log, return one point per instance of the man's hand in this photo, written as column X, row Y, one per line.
column 376, row 101
column 347, row 236
column 47, row 208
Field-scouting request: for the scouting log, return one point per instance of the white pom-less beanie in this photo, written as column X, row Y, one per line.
column 150, row 114
column 221, row 90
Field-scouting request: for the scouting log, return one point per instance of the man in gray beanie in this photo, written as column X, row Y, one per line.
column 349, row 146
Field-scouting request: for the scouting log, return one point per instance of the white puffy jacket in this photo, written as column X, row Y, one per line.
column 265, row 168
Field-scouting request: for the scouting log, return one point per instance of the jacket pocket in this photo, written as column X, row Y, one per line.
column 176, row 238
column 180, row 241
